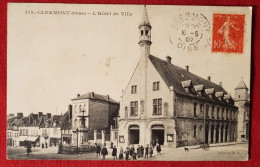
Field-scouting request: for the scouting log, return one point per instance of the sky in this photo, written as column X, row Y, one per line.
column 53, row 57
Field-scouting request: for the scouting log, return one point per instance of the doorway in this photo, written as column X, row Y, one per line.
column 157, row 134
column 134, row 134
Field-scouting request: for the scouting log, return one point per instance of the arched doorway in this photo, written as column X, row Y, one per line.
column 207, row 134
column 222, row 133
column 212, row 134
column 157, row 134
column 217, row 133
column 134, row 134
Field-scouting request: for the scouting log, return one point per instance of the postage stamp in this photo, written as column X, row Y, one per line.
column 228, row 33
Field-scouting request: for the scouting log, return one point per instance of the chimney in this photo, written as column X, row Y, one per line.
column 168, row 59
column 208, row 78
column 70, row 111
column 220, row 84
column 187, row 68
column 108, row 97
column 92, row 95
column 48, row 115
column 19, row 115
column 39, row 115
column 78, row 95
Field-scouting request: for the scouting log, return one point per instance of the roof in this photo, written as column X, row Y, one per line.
column 51, row 120
column 96, row 97
column 145, row 20
column 179, row 78
column 241, row 85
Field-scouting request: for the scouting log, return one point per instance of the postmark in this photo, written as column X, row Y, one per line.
column 228, row 33
column 191, row 31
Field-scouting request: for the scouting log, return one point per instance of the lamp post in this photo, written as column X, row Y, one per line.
column 77, row 131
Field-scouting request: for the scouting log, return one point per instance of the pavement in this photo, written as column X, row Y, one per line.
column 218, row 152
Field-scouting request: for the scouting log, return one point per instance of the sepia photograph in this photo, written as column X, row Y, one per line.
column 128, row 82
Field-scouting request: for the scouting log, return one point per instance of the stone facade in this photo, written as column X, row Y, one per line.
column 166, row 104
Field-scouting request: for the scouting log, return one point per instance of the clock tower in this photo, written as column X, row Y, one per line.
column 145, row 35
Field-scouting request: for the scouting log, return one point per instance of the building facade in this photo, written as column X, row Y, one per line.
column 169, row 105
column 88, row 114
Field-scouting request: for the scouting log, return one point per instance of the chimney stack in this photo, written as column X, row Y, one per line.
column 39, row 115
column 187, row 68
column 108, row 97
column 48, row 115
column 209, row 78
column 220, row 84
column 19, row 115
column 168, row 59
column 92, row 94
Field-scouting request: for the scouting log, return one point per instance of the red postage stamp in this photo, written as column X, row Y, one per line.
column 228, row 33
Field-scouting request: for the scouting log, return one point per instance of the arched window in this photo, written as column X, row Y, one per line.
column 146, row 32
column 142, row 32
column 75, row 122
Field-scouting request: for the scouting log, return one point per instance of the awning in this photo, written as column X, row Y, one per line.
column 32, row 138
column 158, row 127
column 21, row 138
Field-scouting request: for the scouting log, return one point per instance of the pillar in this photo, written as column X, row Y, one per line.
column 224, row 134
column 209, row 134
column 219, row 134
column 214, row 137
column 103, row 137
column 95, row 136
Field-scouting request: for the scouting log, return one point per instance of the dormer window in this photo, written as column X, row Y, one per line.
column 210, row 92
column 187, row 85
column 219, row 95
column 199, row 89
column 156, row 86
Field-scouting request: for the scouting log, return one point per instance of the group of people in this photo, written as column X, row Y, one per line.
column 130, row 152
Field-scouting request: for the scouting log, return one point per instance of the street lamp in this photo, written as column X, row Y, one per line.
column 77, row 131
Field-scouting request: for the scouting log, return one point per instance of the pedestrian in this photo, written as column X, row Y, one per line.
column 114, row 153
column 131, row 151
column 151, row 151
column 98, row 149
column 29, row 148
column 127, row 150
column 42, row 145
column 104, row 152
column 134, row 155
column 142, row 151
column 146, row 151
column 158, row 149
column 138, row 151
column 121, row 152
column 46, row 144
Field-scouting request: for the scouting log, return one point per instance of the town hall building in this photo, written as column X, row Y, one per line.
column 169, row 105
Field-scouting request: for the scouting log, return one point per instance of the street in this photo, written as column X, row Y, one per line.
column 232, row 152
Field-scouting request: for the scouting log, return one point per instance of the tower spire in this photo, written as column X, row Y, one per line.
column 145, row 19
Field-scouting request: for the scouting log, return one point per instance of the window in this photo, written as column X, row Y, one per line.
column 222, row 115
column 146, row 32
column 134, row 89
column 217, row 112
column 80, row 110
column 201, row 107
column 157, row 106
column 142, row 32
column 134, row 108
column 75, row 108
column 156, row 86
column 207, row 111
column 195, row 131
column 212, row 112
column 194, row 109
column 227, row 114
column 234, row 114
column 115, row 135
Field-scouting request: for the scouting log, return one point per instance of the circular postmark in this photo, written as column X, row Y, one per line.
column 191, row 31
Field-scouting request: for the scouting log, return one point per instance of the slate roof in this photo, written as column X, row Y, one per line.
column 51, row 120
column 176, row 76
column 241, row 85
column 96, row 96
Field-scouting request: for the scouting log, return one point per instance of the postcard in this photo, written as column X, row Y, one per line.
column 128, row 82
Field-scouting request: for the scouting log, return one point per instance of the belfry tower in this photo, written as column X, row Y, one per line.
column 145, row 35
